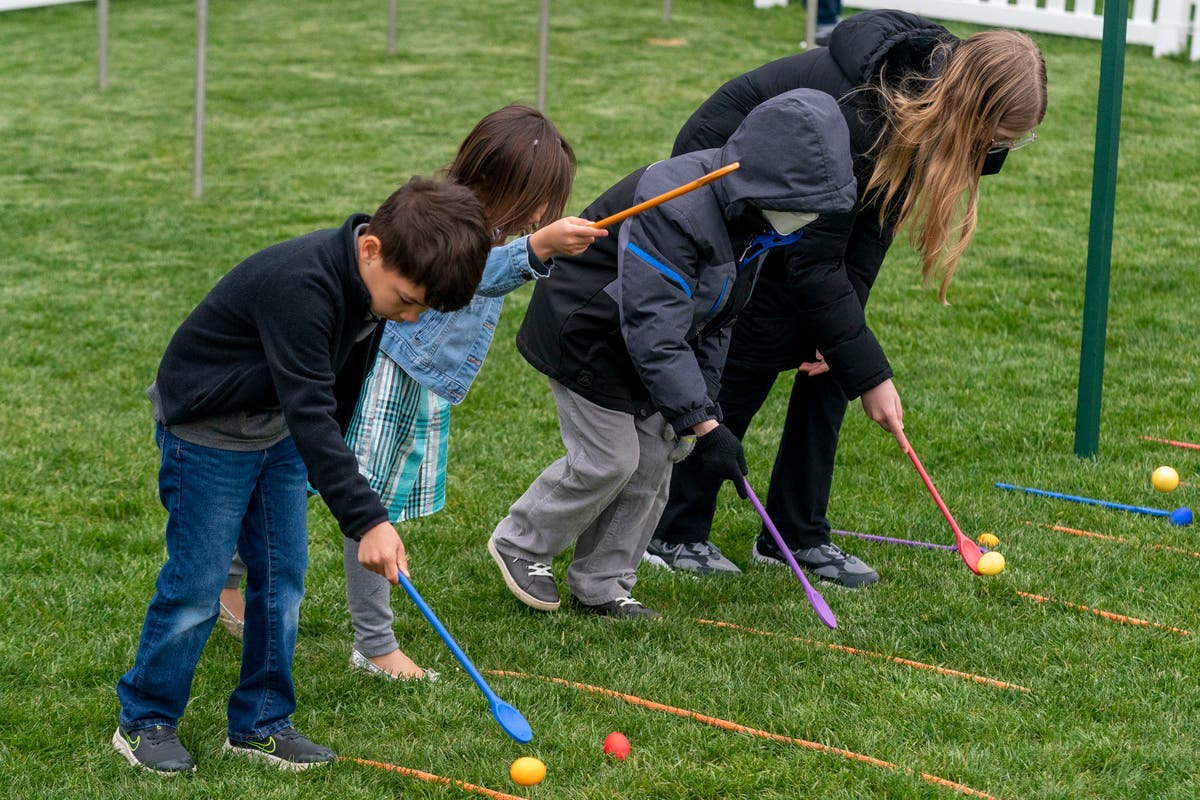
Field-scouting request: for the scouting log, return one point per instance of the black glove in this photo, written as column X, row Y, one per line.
column 721, row 455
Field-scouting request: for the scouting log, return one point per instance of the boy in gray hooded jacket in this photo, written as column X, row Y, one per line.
column 633, row 335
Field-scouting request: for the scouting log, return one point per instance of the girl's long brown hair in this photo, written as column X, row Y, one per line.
column 937, row 133
column 515, row 160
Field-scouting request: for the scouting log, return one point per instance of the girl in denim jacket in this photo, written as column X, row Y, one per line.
column 522, row 169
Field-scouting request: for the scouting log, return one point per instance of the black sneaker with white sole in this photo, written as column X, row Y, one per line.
column 621, row 608
column 702, row 557
column 827, row 561
column 156, row 749
column 286, row 749
column 531, row 582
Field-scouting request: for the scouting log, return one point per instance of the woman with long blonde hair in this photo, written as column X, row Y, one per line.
column 928, row 113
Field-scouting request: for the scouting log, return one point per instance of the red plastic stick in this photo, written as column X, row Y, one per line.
column 969, row 551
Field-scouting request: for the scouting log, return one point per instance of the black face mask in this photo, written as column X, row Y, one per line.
column 993, row 161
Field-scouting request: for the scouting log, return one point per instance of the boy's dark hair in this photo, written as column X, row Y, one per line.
column 435, row 234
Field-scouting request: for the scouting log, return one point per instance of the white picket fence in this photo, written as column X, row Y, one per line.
column 1168, row 31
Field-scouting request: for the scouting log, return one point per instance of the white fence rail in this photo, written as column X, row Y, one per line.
column 12, row 5
column 1167, row 31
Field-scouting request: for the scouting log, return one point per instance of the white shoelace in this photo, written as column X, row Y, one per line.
column 540, row 571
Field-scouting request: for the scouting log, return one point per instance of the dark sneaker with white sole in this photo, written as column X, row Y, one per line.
column 156, row 749
column 286, row 749
column 621, row 608
column 531, row 582
column 701, row 557
column 827, row 561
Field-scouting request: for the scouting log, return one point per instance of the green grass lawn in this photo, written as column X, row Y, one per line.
column 103, row 252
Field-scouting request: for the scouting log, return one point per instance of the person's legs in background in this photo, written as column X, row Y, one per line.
column 233, row 607
column 681, row 539
column 829, row 14
column 798, row 498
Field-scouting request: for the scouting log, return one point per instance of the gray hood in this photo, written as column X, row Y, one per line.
column 794, row 151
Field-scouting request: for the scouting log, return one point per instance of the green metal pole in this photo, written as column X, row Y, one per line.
column 1100, row 233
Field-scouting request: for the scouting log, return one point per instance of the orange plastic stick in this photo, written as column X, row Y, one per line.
column 898, row 660
column 1106, row 614
column 665, row 196
column 429, row 776
column 725, row 724
column 1172, row 442
column 1074, row 532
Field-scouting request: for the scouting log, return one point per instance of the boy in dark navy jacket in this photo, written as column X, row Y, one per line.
column 250, row 402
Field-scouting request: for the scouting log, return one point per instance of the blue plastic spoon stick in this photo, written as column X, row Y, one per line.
column 508, row 717
column 1154, row 512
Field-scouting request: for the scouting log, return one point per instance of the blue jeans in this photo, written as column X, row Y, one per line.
column 829, row 12
column 218, row 500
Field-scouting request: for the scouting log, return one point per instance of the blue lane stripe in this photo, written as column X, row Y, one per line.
column 661, row 267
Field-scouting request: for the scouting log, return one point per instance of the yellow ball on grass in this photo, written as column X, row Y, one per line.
column 988, row 539
column 527, row 771
column 1165, row 479
column 991, row 563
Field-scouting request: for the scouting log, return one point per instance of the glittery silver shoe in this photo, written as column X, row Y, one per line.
column 232, row 624
column 359, row 661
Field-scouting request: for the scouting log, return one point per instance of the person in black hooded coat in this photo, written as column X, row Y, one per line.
column 928, row 113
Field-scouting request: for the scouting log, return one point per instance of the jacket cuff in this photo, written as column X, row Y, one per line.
column 683, row 425
column 362, row 531
column 858, row 364
column 535, row 268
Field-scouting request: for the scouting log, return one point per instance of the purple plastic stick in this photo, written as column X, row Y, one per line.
column 910, row 542
column 824, row 613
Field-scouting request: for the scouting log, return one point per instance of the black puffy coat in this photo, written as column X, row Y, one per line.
column 814, row 293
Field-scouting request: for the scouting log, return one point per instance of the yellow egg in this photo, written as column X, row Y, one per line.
column 991, row 563
column 988, row 539
column 527, row 771
column 1165, row 479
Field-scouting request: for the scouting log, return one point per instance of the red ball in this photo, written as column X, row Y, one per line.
column 616, row 745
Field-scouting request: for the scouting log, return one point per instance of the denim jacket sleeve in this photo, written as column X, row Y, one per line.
column 509, row 267
column 443, row 351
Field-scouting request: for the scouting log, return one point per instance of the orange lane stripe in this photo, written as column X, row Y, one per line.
column 429, row 776
column 1106, row 614
column 1121, row 539
column 725, row 724
column 897, row 659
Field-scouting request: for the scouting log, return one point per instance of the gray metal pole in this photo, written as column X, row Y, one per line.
column 392, row 27
column 543, row 46
column 666, row 10
column 102, row 31
column 810, row 24
column 1100, row 234
column 198, row 118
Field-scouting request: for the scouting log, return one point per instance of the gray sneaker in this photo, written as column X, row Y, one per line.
column 701, row 557
column 826, row 561
column 530, row 581
column 156, row 749
column 621, row 608
column 287, row 749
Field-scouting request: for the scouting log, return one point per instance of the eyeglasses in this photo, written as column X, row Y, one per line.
column 999, row 145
